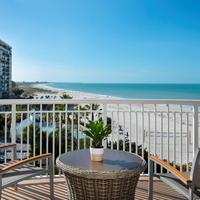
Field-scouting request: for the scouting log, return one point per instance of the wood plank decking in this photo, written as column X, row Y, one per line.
column 39, row 189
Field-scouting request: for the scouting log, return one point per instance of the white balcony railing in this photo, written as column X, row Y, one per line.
column 168, row 128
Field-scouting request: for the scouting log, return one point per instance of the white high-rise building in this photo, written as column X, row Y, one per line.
column 5, row 69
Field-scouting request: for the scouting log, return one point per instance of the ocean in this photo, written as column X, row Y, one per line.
column 135, row 91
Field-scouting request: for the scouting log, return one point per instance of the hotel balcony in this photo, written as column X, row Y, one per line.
column 167, row 128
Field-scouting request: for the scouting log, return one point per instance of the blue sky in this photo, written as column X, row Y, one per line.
column 134, row 41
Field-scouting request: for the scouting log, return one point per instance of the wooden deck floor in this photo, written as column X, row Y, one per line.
column 39, row 189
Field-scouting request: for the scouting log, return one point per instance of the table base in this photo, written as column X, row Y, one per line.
column 101, row 189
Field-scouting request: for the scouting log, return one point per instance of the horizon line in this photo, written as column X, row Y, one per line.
column 164, row 83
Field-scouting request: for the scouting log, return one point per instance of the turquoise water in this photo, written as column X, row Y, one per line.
column 135, row 91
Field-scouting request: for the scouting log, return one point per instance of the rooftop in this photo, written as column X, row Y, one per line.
column 5, row 45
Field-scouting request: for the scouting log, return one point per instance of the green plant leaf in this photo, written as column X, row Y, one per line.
column 97, row 131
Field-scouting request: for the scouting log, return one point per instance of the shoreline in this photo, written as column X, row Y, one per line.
column 74, row 94
column 45, row 89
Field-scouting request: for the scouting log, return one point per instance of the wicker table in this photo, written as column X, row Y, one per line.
column 114, row 178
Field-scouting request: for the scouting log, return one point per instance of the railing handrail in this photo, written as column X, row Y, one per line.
column 101, row 101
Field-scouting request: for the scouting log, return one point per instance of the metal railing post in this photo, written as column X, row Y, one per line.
column 105, row 122
column 13, row 124
column 195, row 128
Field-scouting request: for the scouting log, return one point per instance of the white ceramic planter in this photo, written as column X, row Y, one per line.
column 96, row 154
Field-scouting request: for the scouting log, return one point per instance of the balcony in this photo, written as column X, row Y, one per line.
column 167, row 128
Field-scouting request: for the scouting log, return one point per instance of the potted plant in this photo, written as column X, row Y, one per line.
column 97, row 131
